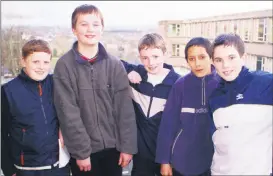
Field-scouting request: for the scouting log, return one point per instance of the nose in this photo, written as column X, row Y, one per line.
column 90, row 27
column 197, row 62
column 225, row 64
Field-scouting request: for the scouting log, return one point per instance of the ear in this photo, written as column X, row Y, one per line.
column 74, row 31
column 243, row 58
column 23, row 62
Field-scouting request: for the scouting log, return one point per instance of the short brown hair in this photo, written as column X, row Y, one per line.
column 152, row 40
column 35, row 45
column 85, row 9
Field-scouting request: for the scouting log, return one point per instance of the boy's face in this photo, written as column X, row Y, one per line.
column 88, row 29
column 152, row 59
column 199, row 61
column 227, row 62
column 37, row 65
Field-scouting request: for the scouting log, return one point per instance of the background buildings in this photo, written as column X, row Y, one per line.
column 255, row 28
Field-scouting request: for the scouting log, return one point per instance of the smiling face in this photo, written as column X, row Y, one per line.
column 199, row 61
column 152, row 59
column 37, row 65
column 88, row 29
column 227, row 62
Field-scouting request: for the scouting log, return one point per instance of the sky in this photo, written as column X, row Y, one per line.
column 120, row 14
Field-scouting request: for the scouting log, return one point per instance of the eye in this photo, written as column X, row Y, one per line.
column 46, row 62
column 202, row 57
column 217, row 60
column 35, row 62
column 231, row 57
column 155, row 57
column 84, row 24
column 191, row 59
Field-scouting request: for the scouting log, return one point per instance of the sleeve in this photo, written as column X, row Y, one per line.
column 212, row 125
column 124, row 112
column 169, row 125
column 74, row 132
column 128, row 67
column 6, row 159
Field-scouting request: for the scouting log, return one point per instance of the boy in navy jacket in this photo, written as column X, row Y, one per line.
column 184, row 140
column 242, row 112
column 29, row 128
column 151, row 84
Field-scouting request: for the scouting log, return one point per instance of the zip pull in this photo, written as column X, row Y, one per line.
column 22, row 158
column 40, row 89
column 22, row 153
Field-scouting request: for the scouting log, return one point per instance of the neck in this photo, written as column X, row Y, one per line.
column 88, row 51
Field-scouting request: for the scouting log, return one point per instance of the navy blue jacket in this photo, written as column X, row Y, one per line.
column 242, row 114
column 29, row 127
column 149, row 102
column 184, row 138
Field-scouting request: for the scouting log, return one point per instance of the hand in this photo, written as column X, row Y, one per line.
column 134, row 77
column 61, row 138
column 13, row 174
column 124, row 159
column 84, row 165
column 166, row 170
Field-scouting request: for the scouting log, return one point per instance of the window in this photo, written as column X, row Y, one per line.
column 174, row 29
column 246, row 30
column 262, row 30
column 216, row 28
column 235, row 27
column 260, row 63
column 175, row 51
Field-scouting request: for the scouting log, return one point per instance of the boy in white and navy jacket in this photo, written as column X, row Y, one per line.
column 242, row 113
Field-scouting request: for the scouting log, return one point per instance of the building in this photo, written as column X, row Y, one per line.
column 255, row 28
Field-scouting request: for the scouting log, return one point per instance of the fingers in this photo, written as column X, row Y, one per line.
column 134, row 77
column 120, row 160
column 125, row 163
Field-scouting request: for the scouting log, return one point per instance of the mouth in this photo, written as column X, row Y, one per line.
column 227, row 73
column 199, row 70
column 90, row 36
column 39, row 72
column 152, row 68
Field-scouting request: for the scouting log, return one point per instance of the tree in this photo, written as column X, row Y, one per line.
column 55, row 52
column 11, row 45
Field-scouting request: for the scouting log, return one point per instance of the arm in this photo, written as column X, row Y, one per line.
column 128, row 67
column 169, row 125
column 124, row 111
column 74, row 133
column 6, row 159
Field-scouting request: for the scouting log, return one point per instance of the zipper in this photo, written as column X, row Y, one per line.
column 41, row 100
column 151, row 100
column 92, row 78
column 22, row 152
column 176, row 138
column 203, row 92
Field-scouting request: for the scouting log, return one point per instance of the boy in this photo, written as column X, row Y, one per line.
column 92, row 96
column 184, row 140
column 242, row 113
column 149, row 97
column 29, row 127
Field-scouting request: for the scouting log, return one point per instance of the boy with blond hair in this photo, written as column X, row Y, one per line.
column 151, row 83
column 92, row 96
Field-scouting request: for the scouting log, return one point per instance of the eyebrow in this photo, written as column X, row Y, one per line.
column 231, row 55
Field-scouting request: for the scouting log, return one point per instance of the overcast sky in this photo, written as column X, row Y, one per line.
column 121, row 14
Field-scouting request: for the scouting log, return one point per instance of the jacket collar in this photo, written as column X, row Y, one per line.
column 240, row 83
column 212, row 75
column 22, row 75
column 168, row 80
column 102, row 54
